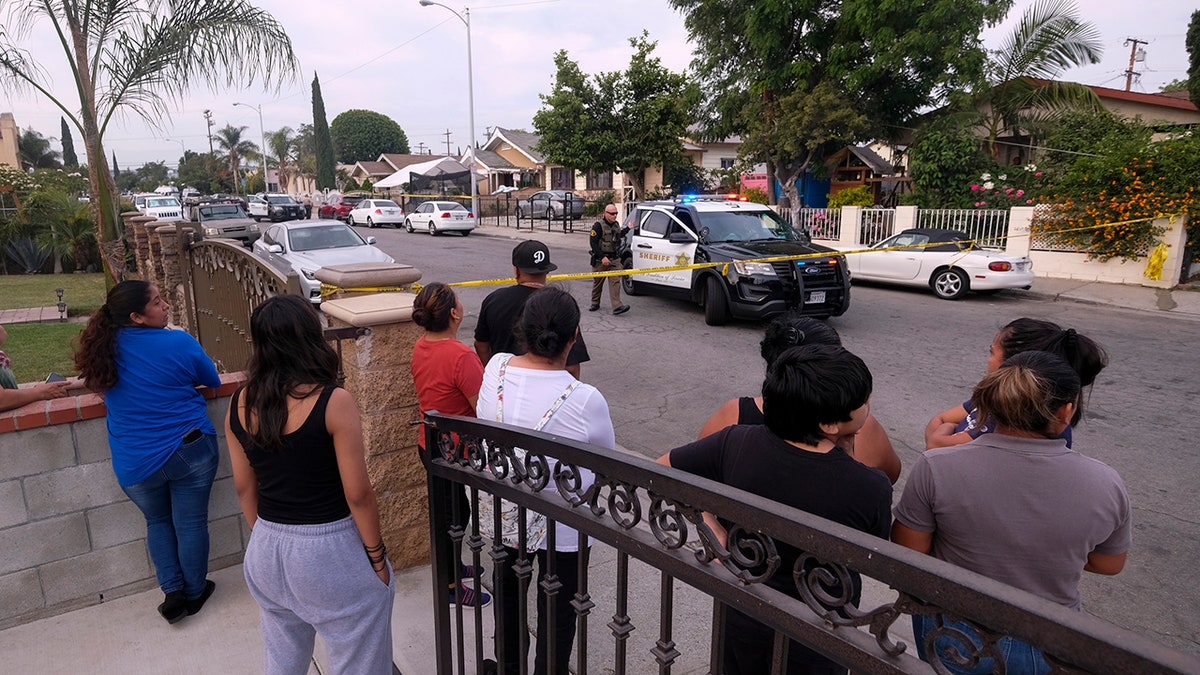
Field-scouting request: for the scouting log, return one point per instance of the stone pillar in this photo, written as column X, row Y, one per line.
column 140, row 242
column 378, row 375
column 154, row 266
column 172, row 288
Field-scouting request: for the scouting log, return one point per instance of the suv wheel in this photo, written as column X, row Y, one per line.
column 716, row 309
column 627, row 281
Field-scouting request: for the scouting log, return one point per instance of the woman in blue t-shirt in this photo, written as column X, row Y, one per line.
column 164, row 448
column 1087, row 358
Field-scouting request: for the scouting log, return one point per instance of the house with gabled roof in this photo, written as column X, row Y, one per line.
column 398, row 160
column 373, row 171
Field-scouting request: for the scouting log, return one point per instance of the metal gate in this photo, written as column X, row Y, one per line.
column 223, row 283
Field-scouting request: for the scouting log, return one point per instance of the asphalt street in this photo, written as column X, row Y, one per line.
column 663, row 371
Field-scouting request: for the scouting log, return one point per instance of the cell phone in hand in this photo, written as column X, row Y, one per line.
column 55, row 377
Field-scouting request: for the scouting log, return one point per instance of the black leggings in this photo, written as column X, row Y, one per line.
column 507, row 609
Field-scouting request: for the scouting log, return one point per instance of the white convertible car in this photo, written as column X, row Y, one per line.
column 947, row 261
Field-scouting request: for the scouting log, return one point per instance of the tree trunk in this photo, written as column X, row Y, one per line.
column 787, row 175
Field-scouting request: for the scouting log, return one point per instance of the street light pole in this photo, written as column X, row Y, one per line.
column 470, row 101
column 262, row 137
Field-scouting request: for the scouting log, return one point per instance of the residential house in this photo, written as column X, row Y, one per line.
column 8, row 140
column 373, row 171
column 860, row 166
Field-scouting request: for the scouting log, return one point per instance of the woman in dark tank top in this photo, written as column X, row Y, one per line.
column 315, row 551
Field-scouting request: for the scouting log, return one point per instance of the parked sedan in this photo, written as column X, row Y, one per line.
column 338, row 206
column 308, row 245
column 439, row 217
column 550, row 204
column 376, row 213
column 947, row 261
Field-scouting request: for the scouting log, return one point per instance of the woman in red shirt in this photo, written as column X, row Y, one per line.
column 447, row 375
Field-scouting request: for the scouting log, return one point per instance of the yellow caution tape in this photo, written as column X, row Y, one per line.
column 329, row 289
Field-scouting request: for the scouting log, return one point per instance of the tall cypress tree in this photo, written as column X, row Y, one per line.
column 68, row 144
column 1192, row 42
column 115, row 170
column 322, row 141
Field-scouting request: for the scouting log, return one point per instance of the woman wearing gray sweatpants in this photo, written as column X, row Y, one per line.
column 316, row 563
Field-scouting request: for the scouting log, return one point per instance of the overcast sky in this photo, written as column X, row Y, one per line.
column 409, row 63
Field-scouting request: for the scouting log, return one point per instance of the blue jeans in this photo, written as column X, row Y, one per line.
column 1020, row 658
column 174, row 501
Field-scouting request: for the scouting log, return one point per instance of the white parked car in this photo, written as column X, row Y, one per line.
column 308, row 245
column 166, row 209
column 274, row 207
column 438, row 217
column 376, row 213
column 948, row 262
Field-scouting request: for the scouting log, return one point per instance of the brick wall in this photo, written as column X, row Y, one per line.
column 68, row 535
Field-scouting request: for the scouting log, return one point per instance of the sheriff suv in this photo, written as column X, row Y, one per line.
column 718, row 229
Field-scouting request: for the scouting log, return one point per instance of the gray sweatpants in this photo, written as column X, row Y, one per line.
column 310, row 579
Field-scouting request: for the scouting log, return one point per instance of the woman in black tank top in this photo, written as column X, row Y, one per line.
column 315, row 551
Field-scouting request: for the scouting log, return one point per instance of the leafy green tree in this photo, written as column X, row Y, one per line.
column 1192, row 42
column 151, row 175
column 1049, row 39
column 255, row 183
column 620, row 121
column 800, row 79
column 34, row 151
column 364, row 135
column 70, row 160
column 230, row 141
column 136, row 56
column 324, row 164
column 946, row 155
column 1175, row 85
column 205, row 172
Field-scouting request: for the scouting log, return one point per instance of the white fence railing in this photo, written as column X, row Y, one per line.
column 821, row 223
column 875, row 225
column 989, row 227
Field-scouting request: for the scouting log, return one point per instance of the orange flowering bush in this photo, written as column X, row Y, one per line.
column 1104, row 206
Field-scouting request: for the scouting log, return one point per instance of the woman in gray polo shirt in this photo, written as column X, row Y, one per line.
column 1017, row 505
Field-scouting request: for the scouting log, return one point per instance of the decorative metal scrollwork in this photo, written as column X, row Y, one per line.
column 827, row 589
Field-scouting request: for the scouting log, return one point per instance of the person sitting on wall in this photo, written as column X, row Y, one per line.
column 13, row 397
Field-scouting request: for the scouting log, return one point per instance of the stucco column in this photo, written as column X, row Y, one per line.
column 378, row 375
column 848, row 239
column 1019, row 241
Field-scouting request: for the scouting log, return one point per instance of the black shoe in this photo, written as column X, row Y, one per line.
column 194, row 606
column 594, row 307
column 174, row 607
column 621, row 310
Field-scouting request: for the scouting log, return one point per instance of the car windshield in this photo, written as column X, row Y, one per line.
column 281, row 199
column 745, row 226
column 386, row 204
column 162, row 202
column 221, row 212
column 324, row 236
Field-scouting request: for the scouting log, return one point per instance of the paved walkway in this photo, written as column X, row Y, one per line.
column 30, row 315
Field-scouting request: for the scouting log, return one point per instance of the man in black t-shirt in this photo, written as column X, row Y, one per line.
column 812, row 395
column 494, row 333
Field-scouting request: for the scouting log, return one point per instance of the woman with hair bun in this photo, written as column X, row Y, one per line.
column 535, row 391
column 870, row 446
column 1084, row 355
column 1017, row 505
column 447, row 375
column 164, row 447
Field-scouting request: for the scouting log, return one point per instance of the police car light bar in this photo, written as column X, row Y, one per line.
column 731, row 197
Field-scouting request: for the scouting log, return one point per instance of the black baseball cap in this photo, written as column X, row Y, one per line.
column 532, row 257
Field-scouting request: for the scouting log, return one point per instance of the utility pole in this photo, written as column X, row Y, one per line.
column 447, row 135
column 421, row 148
column 1135, row 55
column 208, row 118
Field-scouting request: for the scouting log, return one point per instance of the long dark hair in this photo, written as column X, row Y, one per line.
column 548, row 322
column 96, row 357
column 1027, row 391
column 432, row 307
column 793, row 330
column 289, row 352
column 1082, row 353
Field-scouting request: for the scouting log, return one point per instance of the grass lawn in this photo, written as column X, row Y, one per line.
column 83, row 293
column 38, row 349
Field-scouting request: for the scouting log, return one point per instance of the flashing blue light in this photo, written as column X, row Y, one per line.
column 690, row 198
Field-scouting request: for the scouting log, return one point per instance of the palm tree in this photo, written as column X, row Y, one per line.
column 137, row 55
column 35, row 153
column 229, row 140
column 1024, row 91
column 282, row 145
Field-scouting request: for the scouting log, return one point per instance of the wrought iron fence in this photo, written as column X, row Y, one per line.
column 875, row 225
column 653, row 514
column 821, row 223
column 988, row 227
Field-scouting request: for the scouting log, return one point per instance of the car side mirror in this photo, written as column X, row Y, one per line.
column 681, row 238
column 275, row 248
column 371, row 240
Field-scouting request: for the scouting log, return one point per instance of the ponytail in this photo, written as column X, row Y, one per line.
column 1027, row 391
column 96, row 354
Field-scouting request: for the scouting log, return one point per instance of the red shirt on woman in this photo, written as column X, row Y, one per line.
column 447, row 374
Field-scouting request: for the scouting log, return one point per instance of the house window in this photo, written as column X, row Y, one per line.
column 562, row 178
column 599, row 180
column 727, row 162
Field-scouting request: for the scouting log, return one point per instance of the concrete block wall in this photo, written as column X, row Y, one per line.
column 69, row 537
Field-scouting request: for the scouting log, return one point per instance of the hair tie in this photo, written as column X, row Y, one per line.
column 795, row 336
column 1071, row 337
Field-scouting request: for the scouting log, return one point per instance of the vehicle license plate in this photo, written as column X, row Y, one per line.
column 816, row 297
column 458, row 216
